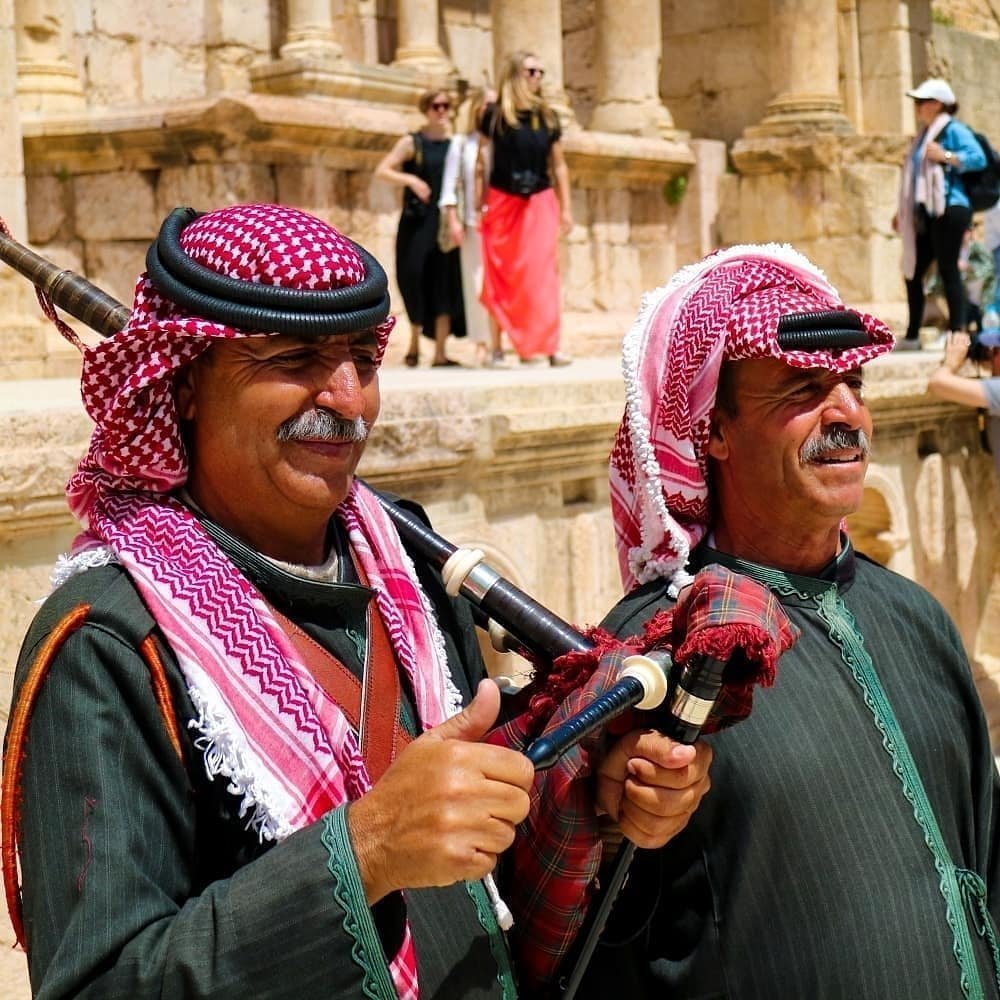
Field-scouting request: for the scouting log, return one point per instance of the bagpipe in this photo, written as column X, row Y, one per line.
column 692, row 670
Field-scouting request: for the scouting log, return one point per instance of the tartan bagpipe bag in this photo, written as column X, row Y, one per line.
column 557, row 854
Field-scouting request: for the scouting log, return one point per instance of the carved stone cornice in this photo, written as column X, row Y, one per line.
column 268, row 128
column 811, row 150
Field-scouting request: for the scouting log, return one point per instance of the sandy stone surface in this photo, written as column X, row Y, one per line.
column 13, row 967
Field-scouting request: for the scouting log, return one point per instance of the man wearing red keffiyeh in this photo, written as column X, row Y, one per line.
column 238, row 762
column 849, row 845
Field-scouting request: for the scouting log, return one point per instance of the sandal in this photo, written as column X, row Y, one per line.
column 447, row 363
column 411, row 360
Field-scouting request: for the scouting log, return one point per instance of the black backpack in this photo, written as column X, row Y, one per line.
column 983, row 186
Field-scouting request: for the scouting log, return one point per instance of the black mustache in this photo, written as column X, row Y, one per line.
column 833, row 440
column 321, row 425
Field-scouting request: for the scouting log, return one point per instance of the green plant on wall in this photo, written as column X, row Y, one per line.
column 673, row 189
column 943, row 17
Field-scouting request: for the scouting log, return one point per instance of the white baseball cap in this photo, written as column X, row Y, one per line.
column 934, row 89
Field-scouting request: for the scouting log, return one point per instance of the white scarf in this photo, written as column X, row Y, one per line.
column 927, row 189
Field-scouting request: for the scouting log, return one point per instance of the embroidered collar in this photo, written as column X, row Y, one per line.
column 792, row 588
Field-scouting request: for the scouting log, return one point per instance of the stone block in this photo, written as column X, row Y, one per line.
column 48, row 209
column 207, row 186
column 172, row 73
column 227, row 69
column 683, row 18
column 846, row 202
column 886, row 268
column 657, row 264
column 886, row 108
column 885, row 55
column 578, row 277
column 611, row 211
column 616, row 282
column 115, row 206
column 22, row 345
column 166, row 22
column 883, row 17
column 781, row 207
column 651, row 217
column 239, row 23
column 115, row 266
column 738, row 57
column 471, row 50
column 114, row 78
column 324, row 192
column 83, row 17
column 845, row 260
column 11, row 156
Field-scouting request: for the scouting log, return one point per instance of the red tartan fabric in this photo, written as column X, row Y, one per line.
column 558, row 852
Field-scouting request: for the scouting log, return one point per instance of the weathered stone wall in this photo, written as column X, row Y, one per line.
column 714, row 75
column 980, row 17
column 98, row 215
column 970, row 63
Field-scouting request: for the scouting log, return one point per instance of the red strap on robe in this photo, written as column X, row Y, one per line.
column 372, row 708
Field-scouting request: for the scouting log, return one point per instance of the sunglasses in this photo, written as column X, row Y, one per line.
column 441, row 106
column 534, row 71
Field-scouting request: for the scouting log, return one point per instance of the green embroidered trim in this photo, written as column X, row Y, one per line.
column 350, row 896
column 498, row 946
column 783, row 584
column 974, row 894
column 843, row 631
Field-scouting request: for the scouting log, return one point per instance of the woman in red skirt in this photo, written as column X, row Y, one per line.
column 525, row 205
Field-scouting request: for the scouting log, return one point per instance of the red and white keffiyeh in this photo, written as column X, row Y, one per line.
column 264, row 724
column 726, row 307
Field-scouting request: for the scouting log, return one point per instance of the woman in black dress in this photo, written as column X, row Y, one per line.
column 430, row 281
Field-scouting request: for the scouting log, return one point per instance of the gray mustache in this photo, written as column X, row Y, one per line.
column 835, row 439
column 321, row 425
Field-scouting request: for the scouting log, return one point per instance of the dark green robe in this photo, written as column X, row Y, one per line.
column 805, row 874
column 141, row 879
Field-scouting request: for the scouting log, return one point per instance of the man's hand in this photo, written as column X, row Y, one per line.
column 445, row 809
column 651, row 786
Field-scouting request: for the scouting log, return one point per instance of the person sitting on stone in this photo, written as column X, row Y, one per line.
column 972, row 389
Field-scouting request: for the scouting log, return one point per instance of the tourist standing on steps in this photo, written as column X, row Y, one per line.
column 934, row 210
column 429, row 280
column 524, row 202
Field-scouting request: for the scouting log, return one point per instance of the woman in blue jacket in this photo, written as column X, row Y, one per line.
column 934, row 209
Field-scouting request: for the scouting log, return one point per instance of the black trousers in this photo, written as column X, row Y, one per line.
column 940, row 240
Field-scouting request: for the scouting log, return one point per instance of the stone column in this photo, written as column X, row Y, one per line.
column 534, row 26
column 417, row 38
column 47, row 79
column 310, row 37
column 629, row 46
column 22, row 336
column 804, row 70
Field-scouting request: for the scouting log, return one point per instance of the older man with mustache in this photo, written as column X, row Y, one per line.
column 848, row 847
column 238, row 763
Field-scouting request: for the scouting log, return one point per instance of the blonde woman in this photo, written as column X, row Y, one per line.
column 524, row 199
column 428, row 279
column 458, row 202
